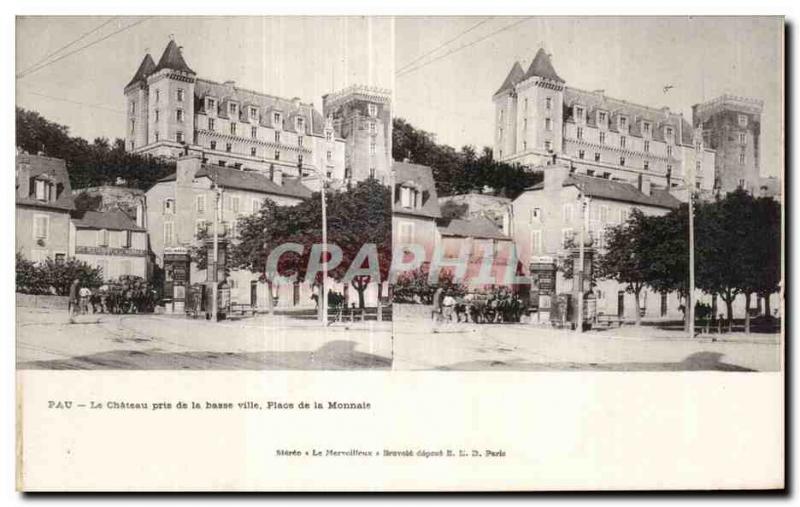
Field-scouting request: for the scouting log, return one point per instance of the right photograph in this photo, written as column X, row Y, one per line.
column 588, row 194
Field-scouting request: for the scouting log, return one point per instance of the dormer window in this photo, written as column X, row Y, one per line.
column 372, row 109
column 646, row 128
column 410, row 197
column 669, row 132
column 579, row 113
column 743, row 120
column 253, row 113
column 233, row 109
column 623, row 123
column 211, row 106
column 329, row 135
column 43, row 190
column 276, row 120
column 602, row 119
column 300, row 123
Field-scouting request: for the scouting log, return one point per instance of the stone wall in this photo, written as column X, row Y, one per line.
column 43, row 301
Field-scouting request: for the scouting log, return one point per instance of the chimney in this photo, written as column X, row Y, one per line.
column 644, row 184
column 276, row 174
column 186, row 168
column 554, row 176
column 24, row 179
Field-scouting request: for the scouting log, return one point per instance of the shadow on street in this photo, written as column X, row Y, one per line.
column 335, row 355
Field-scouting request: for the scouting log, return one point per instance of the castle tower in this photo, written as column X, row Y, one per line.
column 362, row 116
column 731, row 125
column 136, row 97
column 529, row 113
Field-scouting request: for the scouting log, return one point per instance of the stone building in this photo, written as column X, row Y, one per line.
column 113, row 242
column 362, row 116
column 415, row 208
column 495, row 208
column 43, row 206
column 731, row 126
column 539, row 118
column 547, row 219
column 171, row 110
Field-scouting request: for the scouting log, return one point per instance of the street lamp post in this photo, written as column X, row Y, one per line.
column 215, row 242
column 323, row 299
column 584, row 204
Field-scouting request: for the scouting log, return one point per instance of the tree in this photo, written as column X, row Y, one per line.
column 40, row 278
column 451, row 209
column 415, row 287
column 357, row 216
column 623, row 259
column 101, row 162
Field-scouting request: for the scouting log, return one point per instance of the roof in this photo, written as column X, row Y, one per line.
column 112, row 220
column 173, row 59
column 145, row 69
column 479, row 227
column 253, row 181
column 422, row 177
column 611, row 190
column 514, row 76
column 56, row 169
column 264, row 102
column 541, row 66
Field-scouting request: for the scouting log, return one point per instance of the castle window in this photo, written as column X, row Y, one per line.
column 548, row 124
column 300, row 123
column 300, row 141
column 372, row 173
column 200, row 203
column 597, row 156
column 300, row 160
column 646, row 128
column 133, row 126
column 500, row 133
column 579, row 113
column 601, row 118
column 623, row 123
column 253, row 151
column 524, row 145
column 669, row 151
column 180, row 94
column 536, row 214
column 329, row 135
column 133, row 107
column 254, row 132
column 742, row 120
column 158, row 95
column 372, row 148
column 372, row 127
column 602, row 138
column 211, row 106
column 211, row 124
column 622, row 141
column 253, row 113
column 741, row 159
column 179, row 115
column 668, row 132
column 647, row 146
column 501, row 116
column 169, row 206
column 697, row 167
column 228, row 147
column 548, row 103
column 179, row 136
column 156, row 136
column 741, row 183
column 156, row 114
column 329, row 156
column 372, row 109
column 646, row 165
column 277, row 137
column 277, row 154
column 621, row 160
column 579, row 133
column 276, row 120
column 232, row 109
column 548, row 145
column 581, row 154
column 213, row 145
column 233, row 129
column 742, row 138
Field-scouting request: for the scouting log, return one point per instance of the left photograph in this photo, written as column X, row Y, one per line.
column 200, row 193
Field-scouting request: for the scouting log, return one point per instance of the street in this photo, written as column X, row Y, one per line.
column 524, row 347
column 45, row 340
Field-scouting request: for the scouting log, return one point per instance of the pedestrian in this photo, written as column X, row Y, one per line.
column 85, row 294
column 72, row 304
column 437, row 301
column 447, row 307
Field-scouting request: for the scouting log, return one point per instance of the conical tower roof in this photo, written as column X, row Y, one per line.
column 515, row 75
column 145, row 69
column 542, row 67
column 172, row 59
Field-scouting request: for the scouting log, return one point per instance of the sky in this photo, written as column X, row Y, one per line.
column 303, row 57
column 629, row 58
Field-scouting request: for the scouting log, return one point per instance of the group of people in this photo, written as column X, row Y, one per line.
column 497, row 306
column 110, row 298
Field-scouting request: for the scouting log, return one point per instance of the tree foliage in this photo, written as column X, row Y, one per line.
column 54, row 276
column 414, row 286
column 100, row 162
column 458, row 172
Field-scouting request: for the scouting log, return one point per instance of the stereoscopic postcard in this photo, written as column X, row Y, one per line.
column 411, row 253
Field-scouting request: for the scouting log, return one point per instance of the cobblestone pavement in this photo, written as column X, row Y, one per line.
column 526, row 347
column 46, row 340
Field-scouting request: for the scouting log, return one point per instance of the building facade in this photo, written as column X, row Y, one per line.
column 111, row 241
column 171, row 110
column 731, row 126
column 415, row 208
column 538, row 119
column 362, row 117
column 43, row 206
column 547, row 220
